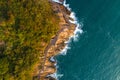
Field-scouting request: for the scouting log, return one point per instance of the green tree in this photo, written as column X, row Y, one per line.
column 26, row 27
column 3, row 66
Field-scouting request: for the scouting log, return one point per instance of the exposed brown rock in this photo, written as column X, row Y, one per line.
column 61, row 0
column 57, row 42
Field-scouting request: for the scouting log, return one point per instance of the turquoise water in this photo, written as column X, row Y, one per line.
column 96, row 54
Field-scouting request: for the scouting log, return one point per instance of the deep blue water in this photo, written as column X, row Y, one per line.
column 96, row 55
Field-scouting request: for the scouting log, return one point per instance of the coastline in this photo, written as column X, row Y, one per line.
column 57, row 43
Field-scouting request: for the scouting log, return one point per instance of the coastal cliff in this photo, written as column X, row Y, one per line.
column 57, row 43
column 26, row 28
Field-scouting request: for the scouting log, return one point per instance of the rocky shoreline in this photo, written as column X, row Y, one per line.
column 57, row 43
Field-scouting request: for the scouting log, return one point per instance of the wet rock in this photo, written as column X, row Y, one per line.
column 57, row 42
column 49, row 78
column 61, row 1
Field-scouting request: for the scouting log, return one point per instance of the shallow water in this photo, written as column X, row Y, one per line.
column 96, row 53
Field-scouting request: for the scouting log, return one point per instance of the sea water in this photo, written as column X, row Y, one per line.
column 94, row 53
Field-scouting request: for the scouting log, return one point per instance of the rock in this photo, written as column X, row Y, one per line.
column 61, row 1
column 64, row 9
column 71, row 19
column 57, row 42
column 50, row 70
column 49, row 78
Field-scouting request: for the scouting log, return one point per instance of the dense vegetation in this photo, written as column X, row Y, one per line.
column 26, row 26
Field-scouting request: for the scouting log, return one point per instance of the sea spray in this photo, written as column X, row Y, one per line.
column 55, row 75
column 77, row 31
column 75, row 37
column 57, row 1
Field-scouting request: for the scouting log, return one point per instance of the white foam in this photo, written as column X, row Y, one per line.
column 72, row 15
column 52, row 59
column 55, row 75
column 66, row 5
column 75, row 37
column 57, row 1
column 77, row 31
column 64, row 51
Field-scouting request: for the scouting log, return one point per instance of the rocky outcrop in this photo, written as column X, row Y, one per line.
column 57, row 43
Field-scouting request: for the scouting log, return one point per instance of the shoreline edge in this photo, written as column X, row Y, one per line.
column 58, row 42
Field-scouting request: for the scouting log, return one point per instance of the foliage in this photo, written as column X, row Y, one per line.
column 26, row 27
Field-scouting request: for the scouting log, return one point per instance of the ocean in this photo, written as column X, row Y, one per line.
column 95, row 53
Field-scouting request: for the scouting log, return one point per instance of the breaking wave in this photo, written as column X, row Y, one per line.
column 75, row 37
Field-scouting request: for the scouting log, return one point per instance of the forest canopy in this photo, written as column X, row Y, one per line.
column 26, row 27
